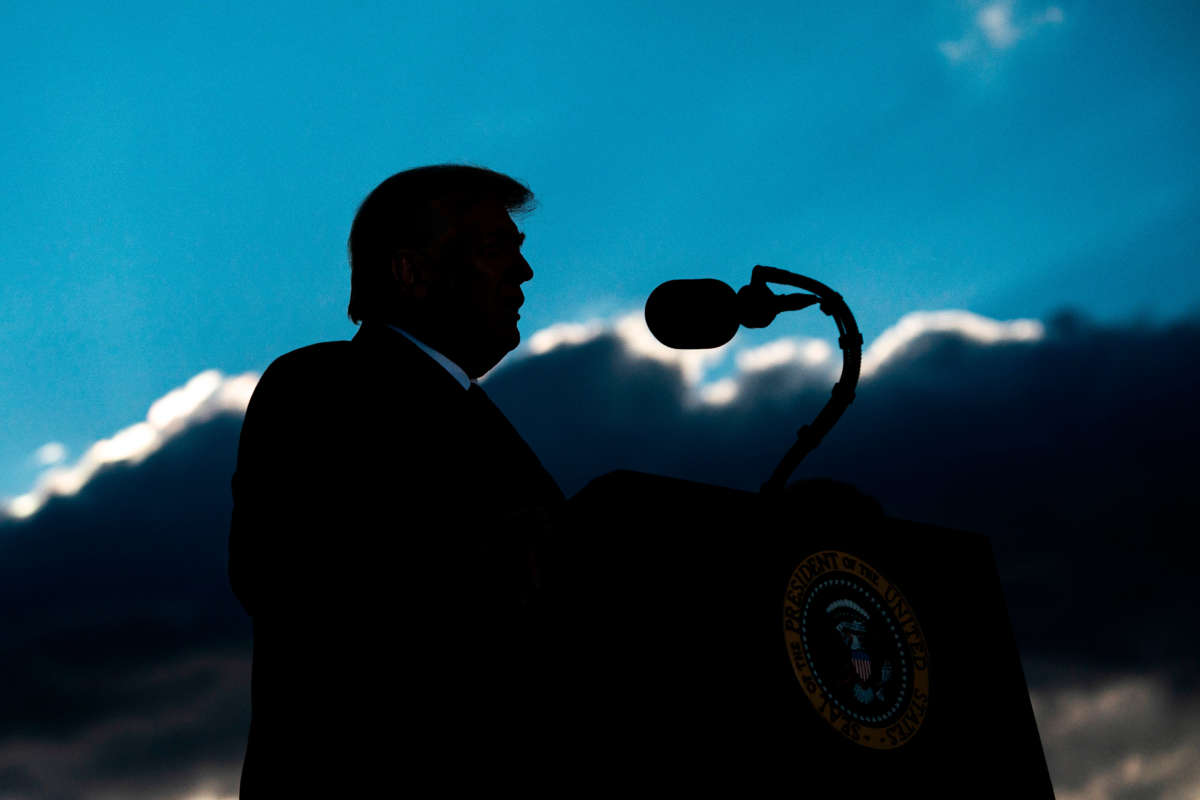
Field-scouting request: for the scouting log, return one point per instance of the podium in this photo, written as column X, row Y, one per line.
column 714, row 639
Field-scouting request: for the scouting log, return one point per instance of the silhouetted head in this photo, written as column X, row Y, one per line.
column 435, row 250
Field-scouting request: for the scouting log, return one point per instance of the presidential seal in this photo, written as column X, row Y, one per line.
column 857, row 649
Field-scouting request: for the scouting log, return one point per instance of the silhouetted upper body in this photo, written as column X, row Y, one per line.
column 386, row 521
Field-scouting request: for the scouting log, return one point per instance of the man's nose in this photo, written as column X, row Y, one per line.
column 524, row 271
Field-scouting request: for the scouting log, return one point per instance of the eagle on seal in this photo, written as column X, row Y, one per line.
column 850, row 622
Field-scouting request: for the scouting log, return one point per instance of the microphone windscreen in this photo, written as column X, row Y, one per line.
column 693, row 314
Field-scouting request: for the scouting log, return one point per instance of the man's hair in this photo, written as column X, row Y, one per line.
column 412, row 210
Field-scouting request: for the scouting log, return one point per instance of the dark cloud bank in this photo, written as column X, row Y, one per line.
column 124, row 659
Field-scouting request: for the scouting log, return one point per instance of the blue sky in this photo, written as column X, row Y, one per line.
column 181, row 178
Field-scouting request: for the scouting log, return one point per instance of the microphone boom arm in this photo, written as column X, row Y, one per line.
column 760, row 305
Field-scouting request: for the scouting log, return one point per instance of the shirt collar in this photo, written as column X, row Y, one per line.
column 456, row 372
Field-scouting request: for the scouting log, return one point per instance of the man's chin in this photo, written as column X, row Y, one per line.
column 510, row 336
column 499, row 344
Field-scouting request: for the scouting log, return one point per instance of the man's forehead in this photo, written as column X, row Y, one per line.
column 479, row 221
column 487, row 220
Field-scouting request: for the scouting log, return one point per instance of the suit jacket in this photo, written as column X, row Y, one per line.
column 384, row 541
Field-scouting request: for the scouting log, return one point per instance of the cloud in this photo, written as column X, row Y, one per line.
column 205, row 395
column 808, row 352
column 49, row 454
column 995, row 21
column 186, row 746
column 957, row 50
column 1126, row 736
column 564, row 333
column 1051, row 16
column 126, row 673
column 814, row 355
column 972, row 327
column 1070, row 444
column 995, row 27
column 631, row 330
column 719, row 393
column 1021, row 430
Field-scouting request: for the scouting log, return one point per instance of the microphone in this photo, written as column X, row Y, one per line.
column 693, row 314
column 703, row 313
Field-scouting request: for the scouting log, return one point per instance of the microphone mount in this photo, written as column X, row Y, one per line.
column 758, row 307
column 705, row 313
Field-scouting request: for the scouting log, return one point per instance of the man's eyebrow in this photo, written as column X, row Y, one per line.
column 505, row 236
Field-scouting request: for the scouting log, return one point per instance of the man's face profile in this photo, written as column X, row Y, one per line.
column 469, row 290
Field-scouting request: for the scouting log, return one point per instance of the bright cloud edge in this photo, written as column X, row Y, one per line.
column 205, row 395
column 211, row 392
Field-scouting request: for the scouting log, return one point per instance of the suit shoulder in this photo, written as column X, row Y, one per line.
column 308, row 372
column 315, row 363
column 313, row 356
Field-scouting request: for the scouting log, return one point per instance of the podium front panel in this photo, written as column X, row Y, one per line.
column 707, row 638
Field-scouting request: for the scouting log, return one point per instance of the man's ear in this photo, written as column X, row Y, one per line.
column 409, row 271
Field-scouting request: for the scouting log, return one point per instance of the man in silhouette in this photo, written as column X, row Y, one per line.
column 386, row 515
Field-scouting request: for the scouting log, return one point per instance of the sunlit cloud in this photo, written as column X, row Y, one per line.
column 180, row 403
column 1128, row 736
column 996, row 23
column 633, row 334
column 719, row 393
column 1052, row 15
column 50, row 454
column 564, row 334
column 957, row 50
column 806, row 352
column 1147, row 772
column 996, row 26
column 211, row 392
column 202, row 397
column 1072, row 711
column 911, row 327
column 639, row 341
column 200, row 690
